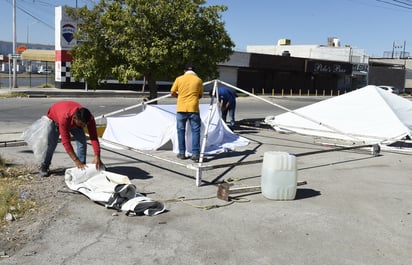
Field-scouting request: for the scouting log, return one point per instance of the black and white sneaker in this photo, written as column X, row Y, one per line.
column 181, row 156
column 44, row 172
column 195, row 158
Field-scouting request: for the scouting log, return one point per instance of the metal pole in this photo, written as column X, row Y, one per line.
column 46, row 73
column 131, row 107
column 203, row 147
column 291, row 111
column 14, row 44
column 30, row 75
column 10, row 85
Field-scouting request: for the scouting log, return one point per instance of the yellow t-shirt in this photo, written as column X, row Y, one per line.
column 189, row 88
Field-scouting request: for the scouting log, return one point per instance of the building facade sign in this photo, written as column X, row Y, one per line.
column 360, row 67
column 328, row 67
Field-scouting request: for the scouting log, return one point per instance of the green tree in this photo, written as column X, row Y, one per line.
column 149, row 38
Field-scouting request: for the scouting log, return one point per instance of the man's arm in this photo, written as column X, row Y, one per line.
column 91, row 127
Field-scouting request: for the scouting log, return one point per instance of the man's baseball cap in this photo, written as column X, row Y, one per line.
column 189, row 67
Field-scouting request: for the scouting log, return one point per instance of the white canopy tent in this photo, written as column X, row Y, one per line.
column 155, row 128
column 369, row 115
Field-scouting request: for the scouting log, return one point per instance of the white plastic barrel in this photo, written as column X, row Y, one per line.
column 279, row 176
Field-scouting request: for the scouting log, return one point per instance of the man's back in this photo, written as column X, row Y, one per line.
column 189, row 88
column 227, row 95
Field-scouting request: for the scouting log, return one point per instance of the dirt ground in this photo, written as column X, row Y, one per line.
column 49, row 194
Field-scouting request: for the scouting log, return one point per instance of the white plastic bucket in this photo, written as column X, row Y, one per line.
column 279, row 176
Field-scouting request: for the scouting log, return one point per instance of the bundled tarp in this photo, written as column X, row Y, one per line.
column 369, row 114
column 114, row 191
column 155, row 128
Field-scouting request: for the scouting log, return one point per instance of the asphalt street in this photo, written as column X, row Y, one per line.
column 355, row 208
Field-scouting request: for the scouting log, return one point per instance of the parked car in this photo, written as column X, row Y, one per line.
column 391, row 89
column 43, row 70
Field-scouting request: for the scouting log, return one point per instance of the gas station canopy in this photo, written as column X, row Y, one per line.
column 39, row 55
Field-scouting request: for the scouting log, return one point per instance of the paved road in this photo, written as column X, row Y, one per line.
column 355, row 209
column 18, row 113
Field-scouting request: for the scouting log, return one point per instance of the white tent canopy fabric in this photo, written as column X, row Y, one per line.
column 369, row 114
column 112, row 190
column 155, row 128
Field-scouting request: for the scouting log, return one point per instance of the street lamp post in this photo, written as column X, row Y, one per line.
column 27, row 46
column 28, row 30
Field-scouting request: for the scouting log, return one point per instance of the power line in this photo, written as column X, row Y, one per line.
column 36, row 18
column 30, row 14
column 397, row 3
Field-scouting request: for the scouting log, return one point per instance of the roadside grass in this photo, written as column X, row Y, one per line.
column 13, row 95
column 46, row 86
column 13, row 200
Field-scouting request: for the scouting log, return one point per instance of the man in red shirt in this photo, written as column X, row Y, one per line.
column 70, row 117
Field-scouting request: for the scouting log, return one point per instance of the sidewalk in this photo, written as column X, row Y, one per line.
column 13, row 139
column 57, row 92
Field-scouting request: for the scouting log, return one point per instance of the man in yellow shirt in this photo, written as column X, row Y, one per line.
column 188, row 89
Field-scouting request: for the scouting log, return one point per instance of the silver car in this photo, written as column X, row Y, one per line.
column 391, row 89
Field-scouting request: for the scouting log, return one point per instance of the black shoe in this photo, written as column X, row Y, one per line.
column 44, row 172
column 181, row 156
column 195, row 158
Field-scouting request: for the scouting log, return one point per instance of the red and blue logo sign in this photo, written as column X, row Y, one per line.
column 68, row 32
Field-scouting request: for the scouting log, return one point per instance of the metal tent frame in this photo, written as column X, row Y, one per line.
column 200, row 167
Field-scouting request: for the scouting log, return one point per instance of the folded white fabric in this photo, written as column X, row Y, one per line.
column 113, row 190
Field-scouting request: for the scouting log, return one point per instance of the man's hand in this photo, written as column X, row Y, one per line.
column 98, row 162
column 79, row 164
column 76, row 160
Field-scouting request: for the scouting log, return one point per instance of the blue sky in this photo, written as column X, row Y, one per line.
column 372, row 25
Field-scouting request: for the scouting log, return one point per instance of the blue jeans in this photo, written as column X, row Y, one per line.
column 53, row 138
column 231, row 110
column 195, row 124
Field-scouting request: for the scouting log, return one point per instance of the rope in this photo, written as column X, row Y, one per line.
column 205, row 207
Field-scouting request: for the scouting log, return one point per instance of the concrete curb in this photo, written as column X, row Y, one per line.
column 54, row 92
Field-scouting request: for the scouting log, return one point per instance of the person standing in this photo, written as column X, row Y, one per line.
column 69, row 117
column 227, row 101
column 188, row 89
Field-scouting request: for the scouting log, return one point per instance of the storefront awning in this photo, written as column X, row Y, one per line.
column 39, row 55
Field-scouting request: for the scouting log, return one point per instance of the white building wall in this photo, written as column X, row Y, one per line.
column 301, row 51
column 408, row 73
column 342, row 54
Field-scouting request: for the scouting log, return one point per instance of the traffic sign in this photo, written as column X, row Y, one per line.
column 15, row 56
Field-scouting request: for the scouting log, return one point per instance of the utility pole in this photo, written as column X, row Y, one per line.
column 14, row 45
column 404, row 45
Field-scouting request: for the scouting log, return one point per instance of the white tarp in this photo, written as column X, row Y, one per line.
column 369, row 114
column 113, row 190
column 155, row 128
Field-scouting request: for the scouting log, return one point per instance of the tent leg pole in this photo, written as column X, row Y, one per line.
column 198, row 176
column 203, row 147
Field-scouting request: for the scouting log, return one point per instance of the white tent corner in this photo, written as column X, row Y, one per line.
column 369, row 115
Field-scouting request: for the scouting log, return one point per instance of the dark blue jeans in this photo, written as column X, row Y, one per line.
column 231, row 110
column 53, row 138
column 195, row 124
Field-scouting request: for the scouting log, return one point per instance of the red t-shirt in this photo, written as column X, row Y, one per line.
column 62, row 113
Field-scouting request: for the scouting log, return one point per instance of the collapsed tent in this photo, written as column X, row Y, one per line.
column 112, row 190
column 369, row 114
column 155, row 128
